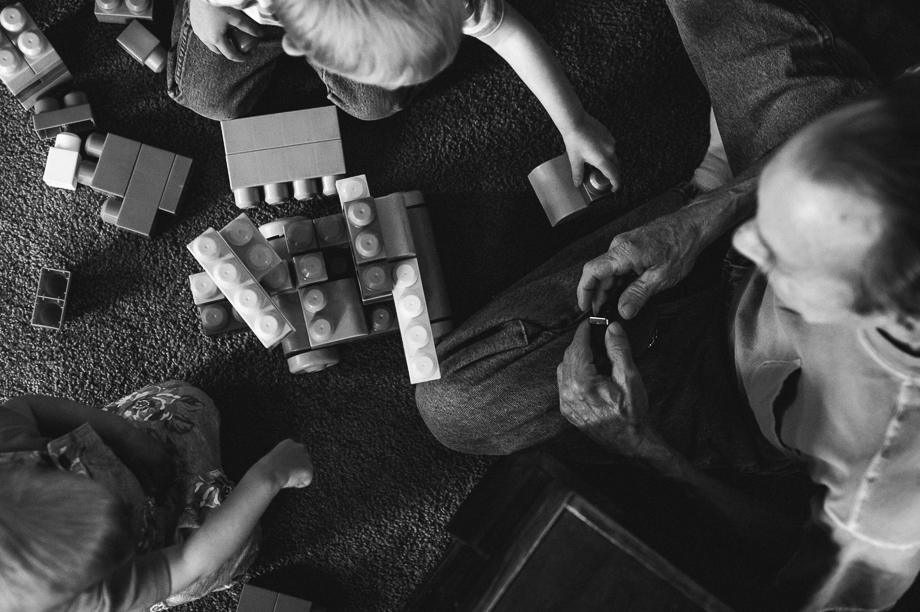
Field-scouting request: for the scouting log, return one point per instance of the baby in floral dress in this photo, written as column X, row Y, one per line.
column 126, row 508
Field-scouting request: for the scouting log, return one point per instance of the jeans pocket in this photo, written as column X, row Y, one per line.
column 508, row 336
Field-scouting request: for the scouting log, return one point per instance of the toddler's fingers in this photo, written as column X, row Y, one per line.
column 228, row 49
column 610, row 167
column 242, row 21
column 578, row 168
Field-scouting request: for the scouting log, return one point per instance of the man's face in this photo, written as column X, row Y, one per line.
column 811, row 239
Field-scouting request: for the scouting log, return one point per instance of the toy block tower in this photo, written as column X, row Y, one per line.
column 140, row 180
column 254, row 599
column 29, row 65
column 123, row 11
column 51, row 299
column 267, row 156
column 552, row 182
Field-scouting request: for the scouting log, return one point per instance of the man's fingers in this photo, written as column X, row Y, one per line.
column 228, row 49
column 637, row 294
column 608, row 265
column 578, row 355
column 619, row 351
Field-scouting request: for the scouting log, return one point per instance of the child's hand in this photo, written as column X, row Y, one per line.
column 288, row 465
column 590, row 142
column 214, row 26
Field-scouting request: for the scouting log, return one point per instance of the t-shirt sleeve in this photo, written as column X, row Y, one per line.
column 18, row 430
column 483, row 17
column 135, row 587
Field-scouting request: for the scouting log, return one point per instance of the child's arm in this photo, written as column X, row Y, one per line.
column 143, row 454
column 214, row 24
column 586, row 140
column 228, row 526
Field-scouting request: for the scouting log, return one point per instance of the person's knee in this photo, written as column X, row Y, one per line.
column 218, row 108
column 366, row 110
column 446, row 406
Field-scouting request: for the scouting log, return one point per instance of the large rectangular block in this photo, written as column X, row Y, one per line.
column 285, row 164
column 142, row 197
column 174, row 192
column 414, row 323
column 280, row 130
column 333, row 312
column 115, row 165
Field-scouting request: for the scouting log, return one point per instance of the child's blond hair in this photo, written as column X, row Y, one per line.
column 59, row 534
column 390, row 43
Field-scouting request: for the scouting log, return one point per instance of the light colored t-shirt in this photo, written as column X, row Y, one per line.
column 847, row 403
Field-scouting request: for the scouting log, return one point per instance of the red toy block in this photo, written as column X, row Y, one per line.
column 117, row 157
column 51, row 299
column 123, row 11
column 143, row 46
column 552, row 182
column 50, row 119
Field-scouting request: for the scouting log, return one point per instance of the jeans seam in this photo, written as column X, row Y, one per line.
column 181, row 53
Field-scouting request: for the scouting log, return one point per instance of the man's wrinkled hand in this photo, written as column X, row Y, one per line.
column 661, row 253
column 611, row 411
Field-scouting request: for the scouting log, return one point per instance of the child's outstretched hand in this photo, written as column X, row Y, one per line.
column 589, row 142
column 214, row 25
column 288, row 465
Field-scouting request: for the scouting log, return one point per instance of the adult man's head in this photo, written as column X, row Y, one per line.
column 837, row 228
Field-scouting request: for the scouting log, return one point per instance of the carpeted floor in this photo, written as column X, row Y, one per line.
column 370, row 528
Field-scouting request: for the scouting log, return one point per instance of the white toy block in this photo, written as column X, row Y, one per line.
column 63, row 161
column 414, row 325
column 204, row 289
column 242, row 290
column 250, row 246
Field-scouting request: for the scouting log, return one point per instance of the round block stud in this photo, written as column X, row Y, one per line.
column 108, row 5
column 238, row 234
column 44, row 105
column 314, row 300
column 203, row 288
column 367, row 245
column 228, row 273
column 314, row 361
column 260, row 257
column 330, row 229
column 299, row 235
column 277, row 193
column 269, row 326
column 417, row 336
column 278, row 278
column 48, row 314
column 75, row 98
column 381, row 319
column 321, row 329
column 94, row 144
column 411, row 305
column 404, row 275
column 207, row 248
column 68, row 141
column 10, row 62
column 213, row 317
column 12, row 19
column 360, row 214
column 32, row 44
column 248, row 301
column 137, row 6
column 85, row 172
column 310, row 267
column 329, row 184
column 351, row 189
column 110, row 210
column 374, row 278
column 247, row 197
column 597, row 183
column 306, row 189
column 422, row 365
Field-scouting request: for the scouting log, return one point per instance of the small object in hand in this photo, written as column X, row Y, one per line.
column 641, row 330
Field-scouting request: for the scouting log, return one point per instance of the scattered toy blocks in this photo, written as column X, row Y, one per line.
column 242, row 290
column 143, row 46
column 51, row 299
column 63, row 162
column 140, row 180
column 254, row 599
column 29, row 65
column 552, row 182
column 414, row 324
column 123, row 11
column 50, row 119
column 272, row 151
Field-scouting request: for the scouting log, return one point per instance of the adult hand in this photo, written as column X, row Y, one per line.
column 214, row 25
column 611, row 411
column 661, row 253
column 148, row 460
column 590, row 142
column 288, row 465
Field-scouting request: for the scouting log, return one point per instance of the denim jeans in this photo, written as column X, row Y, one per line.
column 771, row 67
column 217, row 88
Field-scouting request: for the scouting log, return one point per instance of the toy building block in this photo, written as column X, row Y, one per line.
column 51, row 299
column 279, row 279
column 380, row 318
column 414, row 325
column 143, row 46
column 301, row 357
column 309, row 269
column 272, row 151
column 123, row 11
column 254, row 599
column 331, row 231
column 140, row 180
column 242, row 290
column 250, row 246
column 63, row 162
column 29, row 65
column 219, row 317
column 552, row 182
column 332, row 312
column 361, row 219
column 204, row 289
column 374, row 281
column 394, row 226
column 339, row 264
column 429, row 262
column 50, row 119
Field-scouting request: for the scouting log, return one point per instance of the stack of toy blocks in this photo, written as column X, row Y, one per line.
column 254, row 599
column 235, row 259
column 277, row 152
column 561, row 200
column 29, row 65
column 140, row 180
column 51, row 299
column 50, row 119
column 123, row 11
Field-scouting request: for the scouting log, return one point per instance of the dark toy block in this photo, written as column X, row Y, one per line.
column 309, row 269
column 51, row 298
column 117, row 158
column 432, row 274
column 29, row 65
column 552, row 182
column 300, row 236
column 331, row 231
column 142, row 198
column 333, row 312
column 375, row 282
column 219, row 317
column 339, row 263
column 381, row 318
column 174, row 192
column 394, row 227
column 120, row 11
column 50, row 119
column 143, row 46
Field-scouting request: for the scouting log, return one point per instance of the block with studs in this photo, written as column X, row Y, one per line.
column 414, row 325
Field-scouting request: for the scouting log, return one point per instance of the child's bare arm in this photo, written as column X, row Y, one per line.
column 228, row 526
column 586, row 140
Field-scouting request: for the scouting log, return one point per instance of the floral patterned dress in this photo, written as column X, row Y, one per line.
column 186, row 421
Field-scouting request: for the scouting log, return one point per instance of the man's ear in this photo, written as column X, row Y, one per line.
column 290, row 47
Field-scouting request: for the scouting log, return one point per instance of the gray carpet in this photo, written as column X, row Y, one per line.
column 370, row 528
